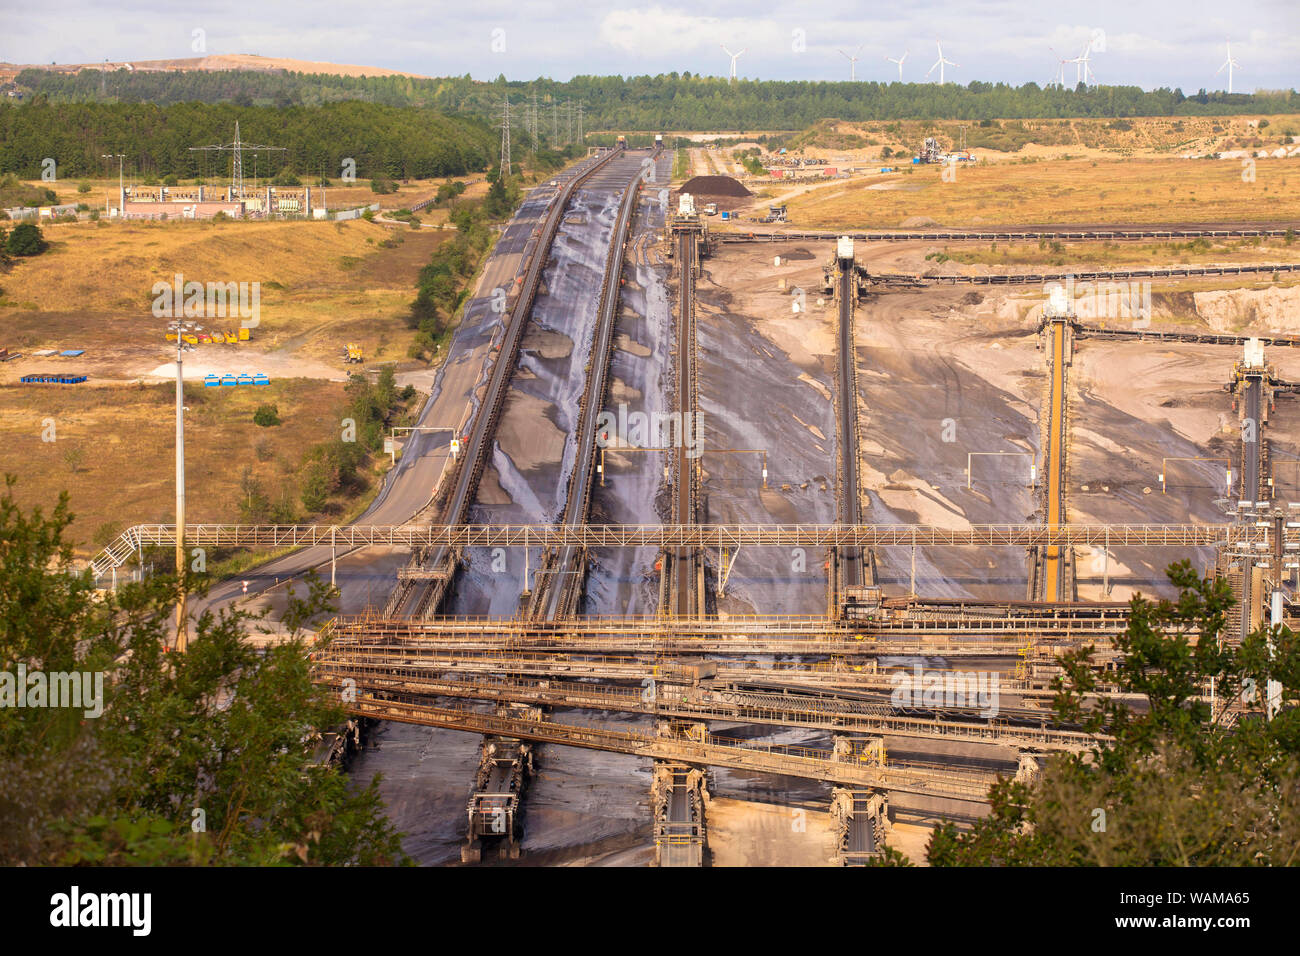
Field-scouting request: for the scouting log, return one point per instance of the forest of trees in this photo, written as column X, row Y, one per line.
column 385, row 141
column 665, row 102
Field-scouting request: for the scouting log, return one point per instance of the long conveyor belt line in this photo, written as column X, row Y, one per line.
column 1253, row 474
column 1010, row 645
column 687, row 601
column 1198, row 338
column 819, row 676
column 483, row 429
column 858, row 714
column 850, row 559
column 1025, row 235
column 1252, row 443
column 562, row 588
column 1054, row 557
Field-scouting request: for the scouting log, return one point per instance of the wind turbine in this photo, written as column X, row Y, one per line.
column 899, row 61
column 1081, row 68
column 1087, row 69
column 734, row 58
column 940, row 63
column 1060, row 70
column 853, row 63
column 1230, row 63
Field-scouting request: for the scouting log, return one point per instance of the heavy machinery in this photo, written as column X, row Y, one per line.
column 352, row 353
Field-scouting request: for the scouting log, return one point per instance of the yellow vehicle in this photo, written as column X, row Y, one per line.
column 243, row 334
column 190, row 339
column 352, row 353
column 171, row 336
column 231, row 338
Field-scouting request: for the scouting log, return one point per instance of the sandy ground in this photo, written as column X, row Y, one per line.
column 765, row 386
column 910, row 839
column 744, row 833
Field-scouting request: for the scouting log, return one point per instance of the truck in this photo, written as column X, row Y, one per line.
column 711, row 209
column 352, row 353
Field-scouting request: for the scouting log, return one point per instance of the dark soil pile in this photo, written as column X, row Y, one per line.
column 715, row 186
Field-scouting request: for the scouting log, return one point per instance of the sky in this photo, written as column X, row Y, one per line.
column 1173, row 43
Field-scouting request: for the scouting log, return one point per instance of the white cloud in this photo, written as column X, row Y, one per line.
column 656, row 31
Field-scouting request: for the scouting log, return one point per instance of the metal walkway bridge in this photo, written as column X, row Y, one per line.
column 714, row 536
column 702, row 749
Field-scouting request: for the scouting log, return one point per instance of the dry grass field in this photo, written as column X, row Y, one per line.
column 114, row 448
column 322, row 285
column 1058, row 193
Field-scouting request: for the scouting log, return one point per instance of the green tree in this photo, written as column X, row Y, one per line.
column 497, row 202
column 1171, row 782
column 196, row 758
column 26, row 240
column 254, row 505
column 266, row 416
column 319, row 478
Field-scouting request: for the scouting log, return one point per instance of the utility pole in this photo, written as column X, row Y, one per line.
column 121, row 185
column 555, row 123
column 580, row 138
column 505, row 139
column 182, row 637
column 237, row 177
column 534, row 122
column 1273, row 688
column 182, row 640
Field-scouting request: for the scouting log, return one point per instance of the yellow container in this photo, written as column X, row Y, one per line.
column 243, row 334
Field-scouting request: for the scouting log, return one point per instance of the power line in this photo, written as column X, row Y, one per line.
column 237, row 149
